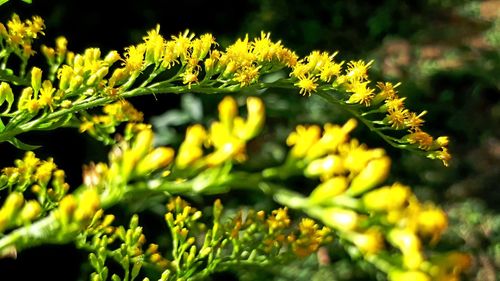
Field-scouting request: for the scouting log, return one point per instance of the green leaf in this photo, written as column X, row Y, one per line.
column 21, row 145
column 3, row 2
column 2, row 126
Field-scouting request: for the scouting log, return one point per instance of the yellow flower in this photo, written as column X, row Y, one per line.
column 408, row 275
column 387, row 198
column 191, row 149
column 325, row 167
column 432, row 222
column 361, row 93
column 157, row 159
column 357, row 70
column 302, row 139
column 247, row 75
column 46, row 94
column 228, row 110
column 328, row 189
column 36, row 79
column 181, row 45
column 339, row 218
column 397, row 118
column 368, row 242
column 240, row 53
column 387, row 90
column 421, row 138
column 375, row 172
column 405, row 239
column 307, row 84
column 134, row 58
column 330, row 70
column 154, row 46
column 333, row 136
column 414, row 121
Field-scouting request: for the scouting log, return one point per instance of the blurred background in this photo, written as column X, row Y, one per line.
column 446, row 53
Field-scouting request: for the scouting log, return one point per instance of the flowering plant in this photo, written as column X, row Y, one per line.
column 349, row 203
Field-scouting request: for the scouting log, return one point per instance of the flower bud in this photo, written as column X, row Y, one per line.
column 228, row 109
column 6, row 95
column 340, row 218
column 256, row 117
column 328, row 189
column 375, row 172
column 155, row 160
column 30, row 211
column 369, row 242
column 325, row 167
column 408, row 275
column 432, row 222
column 387, row 198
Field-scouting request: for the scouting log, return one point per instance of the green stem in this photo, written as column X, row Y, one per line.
column 37, row 233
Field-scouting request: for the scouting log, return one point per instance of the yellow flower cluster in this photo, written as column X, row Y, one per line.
column 18, row 36
column 45, row 179
column 140, row 158
column 75, row 212
column 227, row 137
column 319, row 69
column 17, row 211
column 114, row 114
column 240, row 65
column 368, row 217
column 277, row 234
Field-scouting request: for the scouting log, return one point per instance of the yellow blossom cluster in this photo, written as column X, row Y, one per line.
column 227, row 137
column 100, row 126
column 189, row 63
column 17, row 211
column 46, row 181
column 320, row 70
column 276, row 232
column 17, row 37
column 369, row 217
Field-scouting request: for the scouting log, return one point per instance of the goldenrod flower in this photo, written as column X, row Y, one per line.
column 414, row 121
column 357, row 70
column 387, row 198
column 154, row 46
column 388, row 90
column 333, row 136
column 330, row 70
column 307, row 85
column 368, row 242
column 134, row 58
column 36, row 79
column 360, row 93
column 181, row 45
column 302, row 139
column 157, row 159
column 47, row 94
column 421, row 138
column 247, row 75
column 432, row 222
column 397, row 118
column 339, row 218
column 325, row 167
column 375, row 172
column 408, row 275
column 328, row 189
